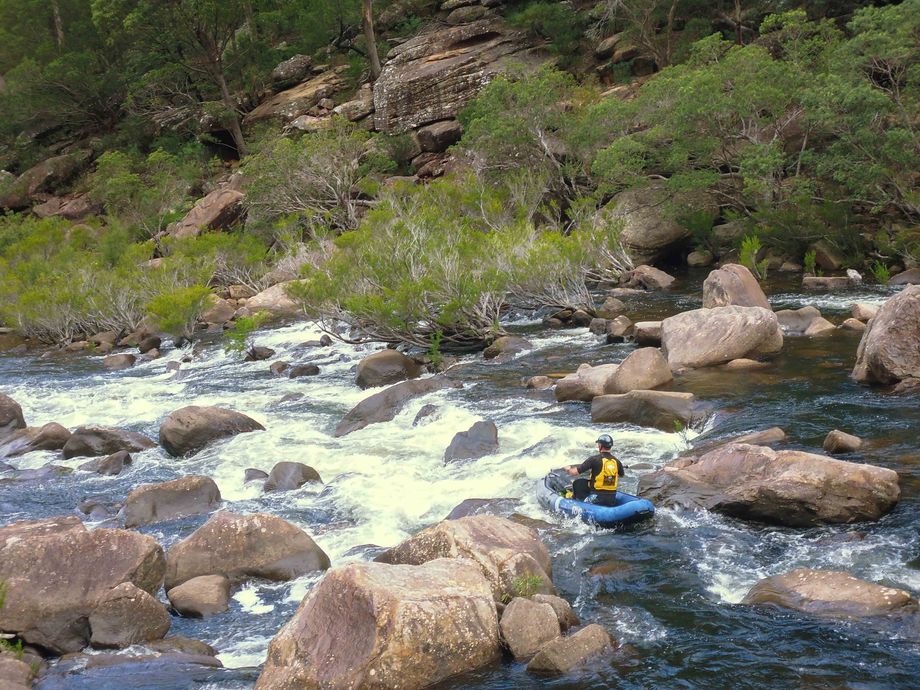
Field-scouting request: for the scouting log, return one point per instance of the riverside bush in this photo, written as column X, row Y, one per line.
column 442, row 264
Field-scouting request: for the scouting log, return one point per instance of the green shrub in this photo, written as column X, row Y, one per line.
column 809, row 261
column 880, row 272
column 556, row 22
column 750, row 249
column 239, row 337
column 177, row 311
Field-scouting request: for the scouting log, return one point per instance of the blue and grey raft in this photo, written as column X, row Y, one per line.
column 628, row 510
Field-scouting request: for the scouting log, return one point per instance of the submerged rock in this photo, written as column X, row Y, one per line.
column 189, row 429
column 787, row 487
column 830, row 593
column 386, row 626
column 386, row 367
column 242, row 547
column 151, row 503
column 93, row 441
column 889, row 350
column 479, row 440
column 383, row 406
column 706, row 337
column 51, row 436
column 56, row 572
column 504, row 550
column 287, row 476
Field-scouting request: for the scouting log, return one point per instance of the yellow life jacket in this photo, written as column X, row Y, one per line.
column 609, row 477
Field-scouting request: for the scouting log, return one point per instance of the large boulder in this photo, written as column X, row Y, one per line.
column 383, row 406
column 244, row 546
column 150, row 503
column 586, row 383
column 189, row 429
column 527, row 625
column 830, row 593
column 733, row 284
column 43, row 177
column 56, row 572
column 127, row 615
column 909, row 277
column 706, row 337
column 201, row 597
column 890, row 347
column 434, row 74
column 504, row 550
column 11, row 418
column 659, row 409
column 787, row 487
column 274, row 300
column 292, row 71
column 643, row 369
column 650, row 229
column 93, row 441
column 386, row 367
column 295, row 102
column 479, row 440
column 370, row 625
column 51, row 436
column 567, row 653
column 287, row 476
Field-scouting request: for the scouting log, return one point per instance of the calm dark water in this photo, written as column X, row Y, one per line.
column 668, row 590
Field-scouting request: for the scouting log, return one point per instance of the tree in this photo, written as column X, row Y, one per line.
column 195, row 38
column 367, row 24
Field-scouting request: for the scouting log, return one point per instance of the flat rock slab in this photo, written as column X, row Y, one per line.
column 385, row 405
column 786, row 487
column 830, row 593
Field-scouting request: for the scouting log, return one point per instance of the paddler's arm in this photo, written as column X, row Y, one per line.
column 575, row 470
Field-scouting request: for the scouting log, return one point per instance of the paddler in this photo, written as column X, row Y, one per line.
column 606, row 471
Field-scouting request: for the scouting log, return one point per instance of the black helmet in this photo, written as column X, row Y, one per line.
column 605, row 441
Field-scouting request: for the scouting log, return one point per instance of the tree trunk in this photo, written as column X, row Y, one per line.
column 236, row 131
column 367, row 23
column 739, row 36
column 58, row 24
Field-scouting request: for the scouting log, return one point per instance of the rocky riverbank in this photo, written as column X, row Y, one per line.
column 197, row 537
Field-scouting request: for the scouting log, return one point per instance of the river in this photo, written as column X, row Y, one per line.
column 669, row 590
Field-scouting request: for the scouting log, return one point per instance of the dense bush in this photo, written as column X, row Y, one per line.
column 443, row 263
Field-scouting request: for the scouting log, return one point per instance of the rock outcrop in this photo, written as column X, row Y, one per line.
column 504, row 550
column 287, row 106
column 479, row 440
column 786, row 487
column 244, row 546
column 189, row 429
column 830, row 593
column 433, row 75
column 43, row 177
column 383, row 406
column 93, row 441
column 370, row 625
column 150, row 503
column 386, row 367
column 650, row 230
column 733, row 284
column 889, row 351
column 707, row 337
column 56, row 572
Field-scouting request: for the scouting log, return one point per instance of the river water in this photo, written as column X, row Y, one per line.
column 669, row 590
